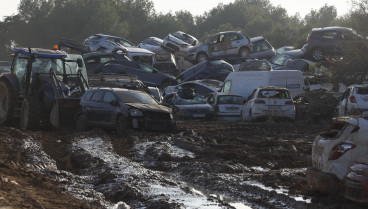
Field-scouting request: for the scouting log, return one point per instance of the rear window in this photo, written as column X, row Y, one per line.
column 229, row 99
column 273, row 93
column 362, row 90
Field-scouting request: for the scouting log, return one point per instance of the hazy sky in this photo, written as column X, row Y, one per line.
column 197, row 7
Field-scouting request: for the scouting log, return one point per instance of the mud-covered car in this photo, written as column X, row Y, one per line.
column 186, row 104
column 356, row 183
column 222, row 44
column 107, row 43
column 122, row 109
column 179, row 41
column 335, row 150
column 201, row 87
column 354, row 101
column 226, row 106
column 148, row 75
column 269, row 101
column 217, row 70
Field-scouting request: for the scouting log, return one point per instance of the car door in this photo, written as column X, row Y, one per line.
column 109, row 108
column 342, row 106
column 94, row 108
column 216, row 46
column 232, row 43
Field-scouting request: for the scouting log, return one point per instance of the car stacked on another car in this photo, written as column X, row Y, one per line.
column 179, row 42
column 217, row 70
column 354, row 101
column 121, row 109
column 262, row 49
column 186, row 104
column 226, row 106
column 230, row 43
column 269, row 101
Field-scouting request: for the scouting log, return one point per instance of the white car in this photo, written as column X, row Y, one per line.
column 179, row 41
column 354, row 101
column 335, row 150
column 269, row 101
column 226, row 106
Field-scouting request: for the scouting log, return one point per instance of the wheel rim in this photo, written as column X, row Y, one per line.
column 317, row 54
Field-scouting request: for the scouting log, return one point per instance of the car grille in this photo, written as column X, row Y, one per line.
column 353, row 190
column 158, row 116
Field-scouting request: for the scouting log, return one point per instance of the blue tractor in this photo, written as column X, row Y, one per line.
column 43, row 87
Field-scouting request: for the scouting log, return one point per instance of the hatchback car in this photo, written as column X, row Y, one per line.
column 222, row 44
column 262, row 49
column 107, row 43
column 217, row 70
column 122, row 109
column 226, row 106
column 354, row 101
column 186, row 104
column 334, row 151
column 269, row 101
column 327, row 41
column 145, row 73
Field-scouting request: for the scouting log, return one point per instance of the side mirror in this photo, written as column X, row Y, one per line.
column 80, row 62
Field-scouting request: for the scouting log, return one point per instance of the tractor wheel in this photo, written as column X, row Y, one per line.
column 7, row 103
column 30, row 114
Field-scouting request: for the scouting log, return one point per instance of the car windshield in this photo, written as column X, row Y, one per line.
column 145, row 67
column 262, row 65
column 274, row 93
column 362, row 90
column 230, row 99
column 281, row 59
column 135, row 97
column 195, row 100
column 126, row 43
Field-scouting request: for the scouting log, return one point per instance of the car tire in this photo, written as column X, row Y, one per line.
column 30, row 114
column 244, row 52
column 121, row 125
column 7, row 103
column 201, row 57
column 81, row 123
column 317, row 54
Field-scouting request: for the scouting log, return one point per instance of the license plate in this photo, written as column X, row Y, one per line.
column 274, row 107
column 199, row 115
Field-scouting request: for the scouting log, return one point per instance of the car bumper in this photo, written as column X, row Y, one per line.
column 356, row 187
column 323, row 182
column 274, row 114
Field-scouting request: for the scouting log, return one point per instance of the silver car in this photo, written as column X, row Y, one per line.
column 179, row 41
column 222, row 44
column 226, row 106
column 107, row 43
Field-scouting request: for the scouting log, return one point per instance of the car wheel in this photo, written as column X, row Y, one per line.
column 201, row 57
column 317, row 54
column 121, row 125
column 244, row 52
column 7, row 103
column 81, row 123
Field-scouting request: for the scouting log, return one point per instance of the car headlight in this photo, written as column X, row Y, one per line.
column 136, row 113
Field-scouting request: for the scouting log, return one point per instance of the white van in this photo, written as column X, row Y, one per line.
column 244, row 83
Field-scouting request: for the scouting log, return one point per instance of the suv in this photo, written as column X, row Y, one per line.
column 354, row 101
column 327, row 41
column 219, row 45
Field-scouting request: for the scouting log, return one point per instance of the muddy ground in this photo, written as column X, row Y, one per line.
column 202, row 165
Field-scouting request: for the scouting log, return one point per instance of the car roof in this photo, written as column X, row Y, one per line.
column 358, row 85
column 114, row 89
column 227, row 94
column 273, row 87
column 331, row 28
column 258, row 38
column 43, row 53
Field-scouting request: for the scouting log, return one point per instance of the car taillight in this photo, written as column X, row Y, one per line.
column 259, row 101
column 352, row 99
column 340, row 149
column 310, row 39
column 289, row 102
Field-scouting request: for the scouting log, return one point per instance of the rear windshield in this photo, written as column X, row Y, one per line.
column 273, row 93
column 362, row 90
column 195, row 100
column 229, row 99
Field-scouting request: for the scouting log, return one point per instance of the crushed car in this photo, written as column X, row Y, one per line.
column 122, row 109
column 226, row 106
column 354, row 101
column 186, row 104
column 262, row 49
column 201, row 87
column 107, row 43
column 231, row 43
column 179, row 42
column 94, row 60
column 335, row 151
column 269, row 101
column 277, row 62
column 217, row 70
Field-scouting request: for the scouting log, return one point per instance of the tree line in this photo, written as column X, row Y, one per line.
column 41, row 23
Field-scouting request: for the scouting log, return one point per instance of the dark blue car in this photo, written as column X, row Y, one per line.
column 120, row 109
column 218, row 70
column 145, row 73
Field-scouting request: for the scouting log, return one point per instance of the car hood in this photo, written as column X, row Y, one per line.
column 137, row 50
column 150, row 107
